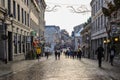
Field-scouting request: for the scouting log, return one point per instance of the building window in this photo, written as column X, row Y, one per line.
column 98, row 23
column 9, row 7
column 22, row 16
column 102, row 3
column 19, row 43
column 15, row 43
column 24, row 41
column 96, row 7
column 3, row 3
column 101, row 22
column 14, row 9
column 27, row 2
column 94, row 26
column 28, row 19
column 25, row 17
column 94, row 10
column 18, row 8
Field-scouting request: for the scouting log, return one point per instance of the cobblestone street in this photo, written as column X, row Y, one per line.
column 67, row 69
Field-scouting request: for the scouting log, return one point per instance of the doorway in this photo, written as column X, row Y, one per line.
column 10, row 46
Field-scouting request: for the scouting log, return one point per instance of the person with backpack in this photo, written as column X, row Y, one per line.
column 38, row 51
column 79, row 54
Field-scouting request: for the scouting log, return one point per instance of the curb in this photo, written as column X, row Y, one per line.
column 6, row 73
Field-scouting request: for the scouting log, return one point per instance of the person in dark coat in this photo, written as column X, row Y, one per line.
column 79, row 53
column 112, row 54
column 100, row 54
column 56, row 54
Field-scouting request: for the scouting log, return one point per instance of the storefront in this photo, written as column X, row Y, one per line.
column 3, row 52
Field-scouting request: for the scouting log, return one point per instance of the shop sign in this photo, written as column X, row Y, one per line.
column 33, row 33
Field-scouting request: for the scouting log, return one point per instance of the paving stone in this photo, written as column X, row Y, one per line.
column 67, row 69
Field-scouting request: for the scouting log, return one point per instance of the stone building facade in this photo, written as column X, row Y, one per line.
column 52, row 36
column 98, row 31
column 77, row 36
column 86, row 41
column 65, row 39
column 16, row 28
column 37, row 22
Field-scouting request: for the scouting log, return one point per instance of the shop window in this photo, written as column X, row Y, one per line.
column 23, row 45
column 15, row 43
column 19, row 43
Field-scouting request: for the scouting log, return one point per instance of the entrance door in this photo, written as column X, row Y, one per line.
column 10, row 46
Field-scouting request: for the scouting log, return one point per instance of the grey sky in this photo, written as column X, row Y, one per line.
column 63, row 16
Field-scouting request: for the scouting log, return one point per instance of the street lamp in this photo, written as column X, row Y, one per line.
column 116, row 39
column 104, row 41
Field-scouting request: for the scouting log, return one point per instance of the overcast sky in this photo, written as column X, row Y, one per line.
column 63, row 16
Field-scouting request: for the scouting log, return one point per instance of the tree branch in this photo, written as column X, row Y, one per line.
column 54, row 8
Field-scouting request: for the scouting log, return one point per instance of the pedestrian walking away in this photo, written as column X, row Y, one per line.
column 47, row 52
column 58, row 53
column 112, row 54
column 79, row 53
column 100, row 55
column 55, row 54
column 38, row 51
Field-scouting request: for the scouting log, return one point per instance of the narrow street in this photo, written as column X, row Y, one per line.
column 67, row 69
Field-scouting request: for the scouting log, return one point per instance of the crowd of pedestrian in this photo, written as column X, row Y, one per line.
column 100, row 52
column 70, row 53
column 73, row 53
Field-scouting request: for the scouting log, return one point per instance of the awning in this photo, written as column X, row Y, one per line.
column 33, row 33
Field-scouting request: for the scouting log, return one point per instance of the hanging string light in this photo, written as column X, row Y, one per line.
column 75, row 8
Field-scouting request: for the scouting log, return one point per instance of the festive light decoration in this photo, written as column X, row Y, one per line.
column 81, row 9
column 53, row 7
